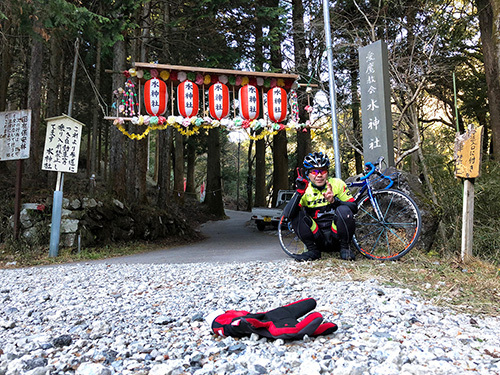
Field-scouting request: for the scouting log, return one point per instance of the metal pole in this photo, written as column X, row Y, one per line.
column 333, row 95
column 55, row 228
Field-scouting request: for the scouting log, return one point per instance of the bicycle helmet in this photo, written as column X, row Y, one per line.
column 316, row 160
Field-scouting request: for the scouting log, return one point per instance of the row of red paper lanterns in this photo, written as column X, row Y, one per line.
column 156, row 98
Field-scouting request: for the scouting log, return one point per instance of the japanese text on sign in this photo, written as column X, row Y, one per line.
column 371, row 82
column 375, row 103
column 467, row 153
column 62, row 145
column 15, row 134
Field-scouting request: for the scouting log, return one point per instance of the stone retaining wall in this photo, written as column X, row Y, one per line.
column 97, row 222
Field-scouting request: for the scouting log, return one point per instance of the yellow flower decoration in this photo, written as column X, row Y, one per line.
column 207, row 79
column 244, row 81
column 133, row 135
column 280, row 82
column 165, row 74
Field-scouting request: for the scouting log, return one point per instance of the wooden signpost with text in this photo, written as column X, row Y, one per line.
column 15, row 137
column 467, row 153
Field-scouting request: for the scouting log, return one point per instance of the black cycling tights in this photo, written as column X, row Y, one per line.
column 324, row 239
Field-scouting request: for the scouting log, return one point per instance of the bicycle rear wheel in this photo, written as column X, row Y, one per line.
column 392, row 233
column 289, row 241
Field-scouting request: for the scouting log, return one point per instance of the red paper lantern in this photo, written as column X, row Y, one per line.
column 155, row 97
column 276, row 104
column 249, row 102
column 187, row 99
column 218, row 99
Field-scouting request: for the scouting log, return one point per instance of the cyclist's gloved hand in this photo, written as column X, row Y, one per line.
column 280, row 323
column 301, row 182
column 336, row 202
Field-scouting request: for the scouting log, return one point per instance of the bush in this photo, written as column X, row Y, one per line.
column 486, row 241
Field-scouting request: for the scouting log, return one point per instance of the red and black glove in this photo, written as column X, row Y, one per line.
column 280, row 323
column 301, row 182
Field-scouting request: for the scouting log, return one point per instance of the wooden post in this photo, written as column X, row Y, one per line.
column 203, row 99
column 467, row 219
column 467, row 154
column 17, row 201
column 172, row 98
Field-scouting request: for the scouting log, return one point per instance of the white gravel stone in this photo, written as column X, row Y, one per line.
column 149, row 319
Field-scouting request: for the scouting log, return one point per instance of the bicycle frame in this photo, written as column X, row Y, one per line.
column 366, row 187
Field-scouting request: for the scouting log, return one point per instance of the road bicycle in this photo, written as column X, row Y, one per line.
column 388, row 222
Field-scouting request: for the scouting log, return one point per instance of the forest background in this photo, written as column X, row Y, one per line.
column 428, row 42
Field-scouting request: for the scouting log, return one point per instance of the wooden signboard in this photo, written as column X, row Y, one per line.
column 467, row 153
column 15, row 134
column 62, row 144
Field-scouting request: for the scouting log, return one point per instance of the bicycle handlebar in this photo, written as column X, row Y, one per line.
column 373, row 169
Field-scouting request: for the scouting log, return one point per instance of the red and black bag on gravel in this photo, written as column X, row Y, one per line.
column 280, row 323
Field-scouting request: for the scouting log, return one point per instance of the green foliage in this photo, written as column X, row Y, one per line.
column 486, row 218
column 486, row 242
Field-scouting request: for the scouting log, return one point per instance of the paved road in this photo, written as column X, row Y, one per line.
column 234, row 240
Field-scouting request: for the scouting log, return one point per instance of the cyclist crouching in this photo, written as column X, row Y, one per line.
column 322, row 213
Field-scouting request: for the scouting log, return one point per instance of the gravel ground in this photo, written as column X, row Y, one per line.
column 149, row 319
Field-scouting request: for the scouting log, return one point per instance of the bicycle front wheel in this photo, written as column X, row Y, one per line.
column 388, row 227
column 289, row 241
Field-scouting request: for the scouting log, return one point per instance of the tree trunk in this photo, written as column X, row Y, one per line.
column 143, row 145
column 301, row 64
column 55, row 88
column 6, row 71
column 95, row 113
column 117, row 165
column 131, row 170
column 142, row 169
column 280, row 158
column 260, row 145
column 164, row 165
column 260, row 173
column 303, row 147
column 488, row 13
column 165, row 137
column 191, row 163
column 5, row 74
column 356, row 121
column 34, row 103
column 213, row 197
column 280, row 152
column 179, row 168
column 250, row 176
column 55, row 77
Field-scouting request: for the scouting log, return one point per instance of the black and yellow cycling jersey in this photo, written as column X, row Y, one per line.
column 316, row 205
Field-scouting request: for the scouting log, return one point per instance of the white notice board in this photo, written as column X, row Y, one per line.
column 62, row 144
column 15, row 134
